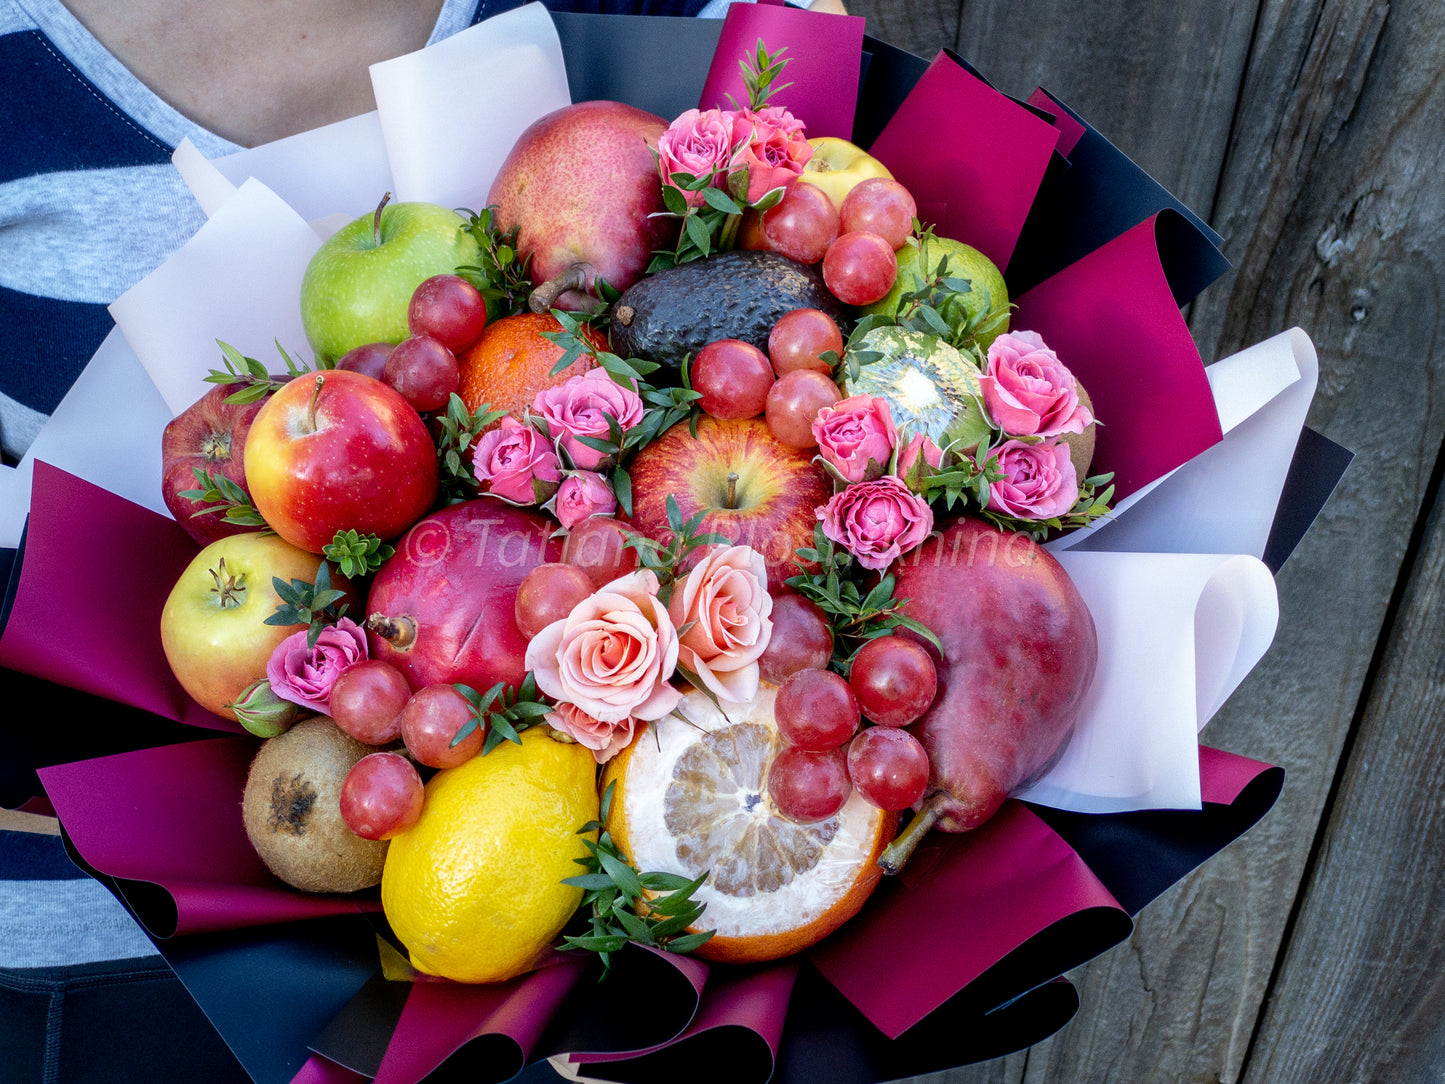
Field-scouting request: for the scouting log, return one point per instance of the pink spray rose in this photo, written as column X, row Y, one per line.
column 771, row 144
column 698, row 143
column 724, row 604
column 1038, row 480
column 877, row 522
column 919, row 450
column 305, row 676
column 605, row 740
column 613, row 655
column 581, row 406
column 510, row 458
column 581, row 495
column 856, row 435
column 1028, row 391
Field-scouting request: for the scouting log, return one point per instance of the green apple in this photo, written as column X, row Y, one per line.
column 213, row 625
column 359, row 283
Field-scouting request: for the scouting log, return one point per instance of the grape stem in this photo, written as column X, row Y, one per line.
column 899, row 851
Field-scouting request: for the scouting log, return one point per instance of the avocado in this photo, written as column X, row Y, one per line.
column 735, row 295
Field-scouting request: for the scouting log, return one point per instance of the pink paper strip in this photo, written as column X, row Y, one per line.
column 968, row 154
column 1223, row 776
column 164, row 816
column 1113, row 321
column 824, row 58
column 1070, row 130
column 96, row 574
column 319, row 1070
column 987, row 893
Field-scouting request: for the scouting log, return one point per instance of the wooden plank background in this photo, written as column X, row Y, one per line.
column 1311, row 134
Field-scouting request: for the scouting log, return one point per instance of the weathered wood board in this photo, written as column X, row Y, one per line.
column 1310, row 135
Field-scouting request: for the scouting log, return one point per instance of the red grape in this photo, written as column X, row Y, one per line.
column 548, row 593
column 808, row 786
column 894, row 679
column 859, row 268
column 794, row 402
column 799, row 337
column 879, row 205
column 429, row 722
column 802, row 224
column 889, row 767
column 816, row 710
column 370, row 359
column 802, row 639
column 733, row 378
column 381, row 796
column 598, row 546
column 449, row 309
column 367, row 699
column 424, row 371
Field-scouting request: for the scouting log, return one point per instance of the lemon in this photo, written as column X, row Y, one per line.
column 983, row 308
column 473, row 889
column 691, row 797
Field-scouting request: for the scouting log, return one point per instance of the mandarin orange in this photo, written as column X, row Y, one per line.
column 512, row 362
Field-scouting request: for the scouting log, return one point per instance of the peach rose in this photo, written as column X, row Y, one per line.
column 724, row 605
column 613, row 655
column 605, row 740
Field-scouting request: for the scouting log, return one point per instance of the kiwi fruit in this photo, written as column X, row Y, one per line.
column 292, row 810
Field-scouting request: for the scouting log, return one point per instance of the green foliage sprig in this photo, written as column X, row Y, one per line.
column 652, row 909
column 504, row 711
column 667, row 561
column 228, row 498
column 309, row 604
column 356, row 554
column 457, row 431
column 759, row 72
column 257, row 380
column 503, row 275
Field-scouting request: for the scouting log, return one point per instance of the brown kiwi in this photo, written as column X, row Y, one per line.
column 1081, row 445
column 292, row 810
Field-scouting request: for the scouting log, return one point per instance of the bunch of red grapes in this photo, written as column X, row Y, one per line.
column 847, row 733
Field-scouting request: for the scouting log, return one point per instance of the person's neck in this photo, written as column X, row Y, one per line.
column 256, row 70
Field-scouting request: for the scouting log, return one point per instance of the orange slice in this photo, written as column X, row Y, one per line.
column 691, row 797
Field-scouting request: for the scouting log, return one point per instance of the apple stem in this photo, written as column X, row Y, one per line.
column 231, row 589
column 732, row 500
column 376, row 219
column 396, row 631
column 315, row 398
column 899, row 851
column 574, row 278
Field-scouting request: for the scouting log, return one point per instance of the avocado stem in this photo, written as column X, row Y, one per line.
column 399, row 632
column 315, row 397
column 899, row 851
column 376, row 219
column 732, row 498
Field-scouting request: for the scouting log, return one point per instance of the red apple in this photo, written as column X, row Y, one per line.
column 442, row 609
column 581, row 185
column 755, row 490
column 339, row 451
column 210, row 434
column 213, row 626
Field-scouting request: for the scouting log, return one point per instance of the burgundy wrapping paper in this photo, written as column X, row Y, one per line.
column 319, row 1070
column 824, row 53
column 170, row 819
column 1113, row 321
column 971, row 157
column 87, row 611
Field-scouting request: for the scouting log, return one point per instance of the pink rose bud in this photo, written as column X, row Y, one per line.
column 918, row 452
column 605, row 740
column 581, row 406
column 877, row 522
column 699, row 143
column 1038, row 480
column 1028, row 392
column 582, row 495
column 771, row 145
column 856, row 436
column 724, row 604
column 511, row 459
column 305, row 675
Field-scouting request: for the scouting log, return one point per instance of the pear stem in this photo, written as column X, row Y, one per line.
column 732, row 498
column 899, row 851
column 376, row 219
column 315, row 398
column 545, row 296
column 396, row 631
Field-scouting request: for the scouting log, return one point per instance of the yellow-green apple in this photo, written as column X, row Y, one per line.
column 359, row 283
column 755, row 490
column 442, row 609
column 213, row 625
column 582, row 189
column 339, row 451
column 209, row 434
column 837, row 165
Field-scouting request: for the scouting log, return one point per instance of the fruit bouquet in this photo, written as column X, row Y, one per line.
column 649, row 559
